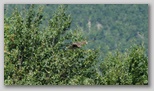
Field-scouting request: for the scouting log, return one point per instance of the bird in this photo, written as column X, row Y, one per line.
column 77, row 45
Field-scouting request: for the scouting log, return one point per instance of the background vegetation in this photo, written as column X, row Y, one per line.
column 37, row 36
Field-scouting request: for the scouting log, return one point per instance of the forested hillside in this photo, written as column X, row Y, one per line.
column 37, row 37
column 110, row 27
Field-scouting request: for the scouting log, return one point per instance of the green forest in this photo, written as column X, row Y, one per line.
column 76, row 44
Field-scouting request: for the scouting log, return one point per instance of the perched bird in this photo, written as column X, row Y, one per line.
column 77, row 44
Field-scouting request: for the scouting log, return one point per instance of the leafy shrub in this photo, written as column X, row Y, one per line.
column 129, row 68
column 38, row 56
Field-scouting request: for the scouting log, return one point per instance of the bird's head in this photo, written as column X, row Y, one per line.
column 86, row 42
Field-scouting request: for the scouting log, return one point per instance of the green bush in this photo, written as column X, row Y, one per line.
column 38, row 56
column 129, row 68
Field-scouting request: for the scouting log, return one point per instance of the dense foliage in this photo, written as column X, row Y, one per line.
column 111, row 27
column 36, row 51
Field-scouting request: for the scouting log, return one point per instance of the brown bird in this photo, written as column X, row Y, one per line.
column 77, row 44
